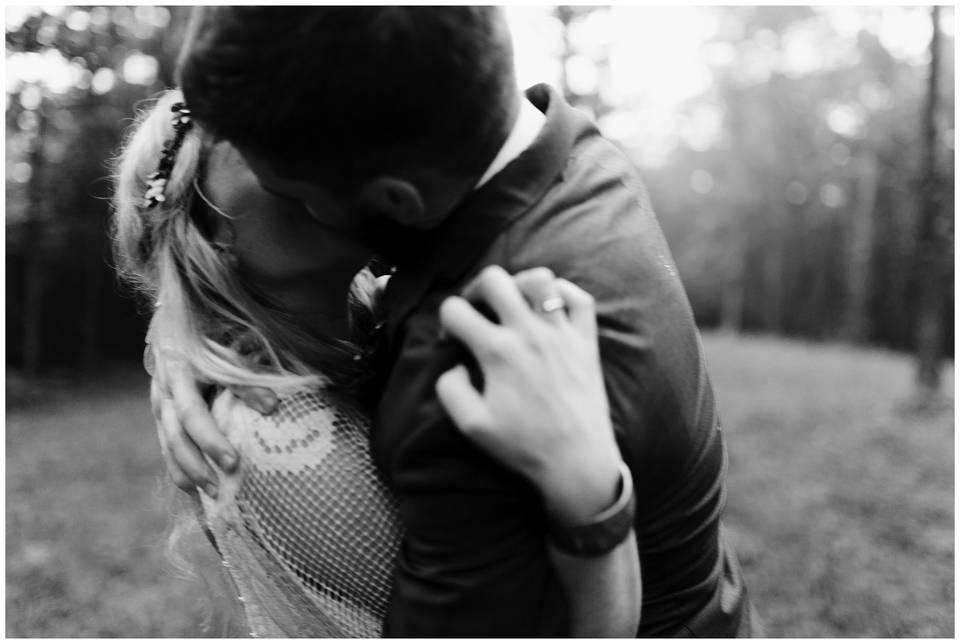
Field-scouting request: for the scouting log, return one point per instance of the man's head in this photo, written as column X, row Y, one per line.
column 396, row 110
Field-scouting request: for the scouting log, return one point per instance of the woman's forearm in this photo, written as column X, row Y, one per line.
column 543, row 412
column 604, row 592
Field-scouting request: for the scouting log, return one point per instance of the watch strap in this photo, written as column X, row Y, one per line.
column 603, row 532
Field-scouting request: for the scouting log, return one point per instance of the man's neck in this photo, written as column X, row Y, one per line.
column 526, row 126
column 442, row 200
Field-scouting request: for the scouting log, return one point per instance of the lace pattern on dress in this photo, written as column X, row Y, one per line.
column 306, row 527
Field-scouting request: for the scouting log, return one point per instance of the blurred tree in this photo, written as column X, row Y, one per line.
column 590, row 100
column 34, row 277
column 797, row 217
column 566, row 15
column 74, row 77
column 789, row 197
column 856, row 321
column 934, row 234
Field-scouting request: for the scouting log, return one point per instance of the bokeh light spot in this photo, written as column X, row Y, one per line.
column 701, row 181
column 21, row 172
column 31, row 97
column 103, row 80
column 78, row 20
column 846, row 120
column 840, row 154
column 140, row 69
column 27, row 120
column 583, row 77
column 796, row 193
column 832, row 196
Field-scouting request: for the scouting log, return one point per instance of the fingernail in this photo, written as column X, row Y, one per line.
column 260, row 403
column 267, row 405
column 210, row 489
column 228, row 462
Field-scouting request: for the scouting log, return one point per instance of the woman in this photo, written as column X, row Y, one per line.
column 250, row 291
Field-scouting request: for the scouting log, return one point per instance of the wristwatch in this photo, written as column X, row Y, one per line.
column 602, row 533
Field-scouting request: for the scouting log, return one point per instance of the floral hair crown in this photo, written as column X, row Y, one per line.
column 157, row 181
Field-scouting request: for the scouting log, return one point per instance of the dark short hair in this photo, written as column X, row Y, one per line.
column 348, row 92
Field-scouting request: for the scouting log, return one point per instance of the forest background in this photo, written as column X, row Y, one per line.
column 801, row 168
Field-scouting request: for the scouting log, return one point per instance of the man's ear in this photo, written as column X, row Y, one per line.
column 394, row 198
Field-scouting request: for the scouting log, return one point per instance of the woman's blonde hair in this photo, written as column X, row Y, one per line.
column 227, row 330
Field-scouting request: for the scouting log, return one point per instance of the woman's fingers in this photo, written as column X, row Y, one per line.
column 194, row 418
column 529, row 293
column 482, row 337
column 461, row 400
column 185, row 463
column 159, row 405
column 543, row 411
column 157, row 394
column 262, row 400
column 496, row 288
column 177, row 475
column 539, row 287
column 581, row 308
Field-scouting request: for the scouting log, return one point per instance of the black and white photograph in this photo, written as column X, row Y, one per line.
column 501, row 321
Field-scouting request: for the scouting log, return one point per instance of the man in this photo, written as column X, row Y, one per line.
column 403, row 127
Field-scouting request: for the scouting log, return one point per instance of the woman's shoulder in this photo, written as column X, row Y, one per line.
column 300, row 419
column 293, row 405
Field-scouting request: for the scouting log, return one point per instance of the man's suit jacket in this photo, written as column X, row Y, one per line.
column 474, row 559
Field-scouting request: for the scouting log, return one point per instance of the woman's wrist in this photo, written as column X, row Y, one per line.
column 576, row 490
column 602, row 532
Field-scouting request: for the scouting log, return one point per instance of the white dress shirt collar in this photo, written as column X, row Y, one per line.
column 525, row 130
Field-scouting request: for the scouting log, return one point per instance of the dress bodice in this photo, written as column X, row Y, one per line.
column 306, row 528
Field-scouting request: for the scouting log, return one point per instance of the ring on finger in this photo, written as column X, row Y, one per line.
column 553, row 303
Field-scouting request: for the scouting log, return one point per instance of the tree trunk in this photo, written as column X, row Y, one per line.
column 733, row 291
column 32, row 301
column 856, row 323
column 737, row 231
column 930, row 238
column 566, row 16
column 775, row 261
column 34, row 267
column 92, row 296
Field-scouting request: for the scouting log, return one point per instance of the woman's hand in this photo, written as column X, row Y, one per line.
column 189, row 436
column 184, row 425
column 543, row 410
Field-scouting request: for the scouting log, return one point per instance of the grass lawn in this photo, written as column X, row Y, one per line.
column 841, row 500
column 88, row 517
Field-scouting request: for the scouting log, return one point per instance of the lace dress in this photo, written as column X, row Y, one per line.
column 305, row 528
